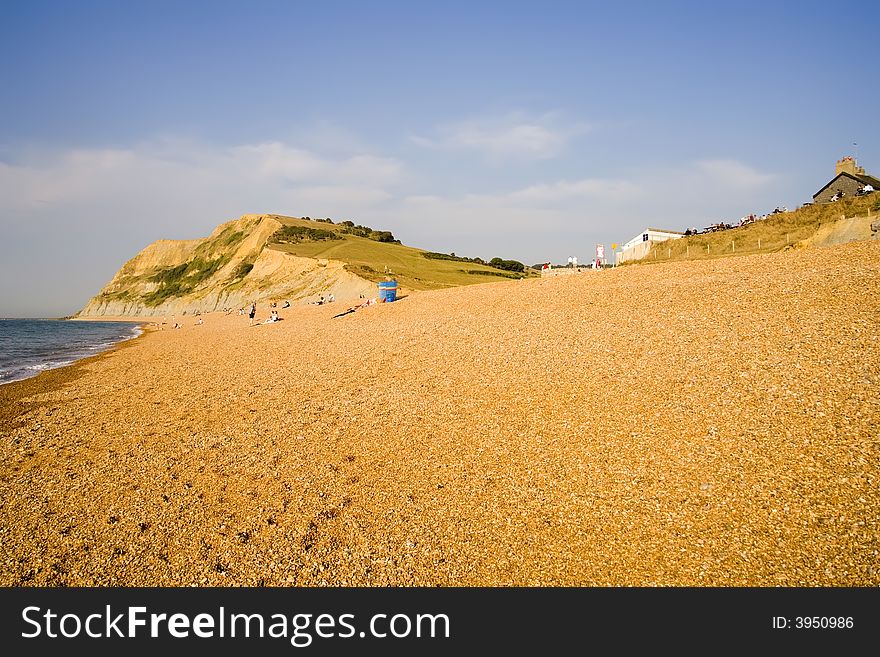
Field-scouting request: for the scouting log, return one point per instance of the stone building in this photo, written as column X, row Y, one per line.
column 849, row 178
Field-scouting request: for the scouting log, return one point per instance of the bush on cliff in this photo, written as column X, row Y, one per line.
column 181, row 279
column 294, row 234
column 243, row 269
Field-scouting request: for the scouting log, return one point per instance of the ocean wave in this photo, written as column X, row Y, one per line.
column 49, row 365
column 29, row 347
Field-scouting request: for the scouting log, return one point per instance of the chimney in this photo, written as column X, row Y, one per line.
column 848, row 165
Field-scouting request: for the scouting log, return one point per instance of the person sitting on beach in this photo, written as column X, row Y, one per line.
column 286, row 304
column 199, row 322
column 330, row 298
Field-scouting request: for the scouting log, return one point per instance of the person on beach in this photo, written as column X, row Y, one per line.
column 364, row 304
column 273, row 317
column 253, row 311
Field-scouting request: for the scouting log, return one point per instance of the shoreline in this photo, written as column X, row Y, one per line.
column 13, row 392
column 110, row 318
column 142, row 328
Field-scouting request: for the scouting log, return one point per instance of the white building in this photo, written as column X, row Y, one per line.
column 639, row 246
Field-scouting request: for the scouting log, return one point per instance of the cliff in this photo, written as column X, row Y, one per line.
column 239, row 262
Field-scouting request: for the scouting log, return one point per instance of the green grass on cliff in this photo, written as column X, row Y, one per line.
column 179, row 280
column 775, row 233
column 374, row 260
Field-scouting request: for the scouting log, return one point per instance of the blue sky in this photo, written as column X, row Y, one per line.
column 522, row 130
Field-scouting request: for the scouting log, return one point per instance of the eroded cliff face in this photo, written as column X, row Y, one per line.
column 235, row 265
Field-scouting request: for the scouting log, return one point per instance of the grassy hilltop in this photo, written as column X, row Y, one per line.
column 811, row 225
column 373, row 259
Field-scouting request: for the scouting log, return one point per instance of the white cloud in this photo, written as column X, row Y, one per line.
column 731, row 173
column 583, row 190
column 70, row 177
column 279, row 161
column 513, row 135
column 171, row 177
column 316, row 199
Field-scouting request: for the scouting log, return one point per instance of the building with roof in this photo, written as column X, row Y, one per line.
column 639, row 246
column 848, row 179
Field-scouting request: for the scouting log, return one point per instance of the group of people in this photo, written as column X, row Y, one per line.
column 867, row 188
column 251, row 312
column 273, row 314
column 174, row 323
column 721, row 225
column 711, row 229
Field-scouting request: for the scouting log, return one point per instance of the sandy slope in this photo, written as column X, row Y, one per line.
column 697, row 423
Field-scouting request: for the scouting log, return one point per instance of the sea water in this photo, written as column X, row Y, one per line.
column 30, row 346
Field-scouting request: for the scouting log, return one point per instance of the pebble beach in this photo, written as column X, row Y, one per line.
column 710, row 423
